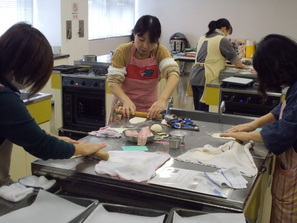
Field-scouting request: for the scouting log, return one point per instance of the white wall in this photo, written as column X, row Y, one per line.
column 47, row 18
column 76, row 46
column 251, row 19
column 104, row 46
column 50, row 18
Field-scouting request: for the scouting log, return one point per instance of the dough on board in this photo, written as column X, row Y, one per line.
column 217, row 136
column 136, row 120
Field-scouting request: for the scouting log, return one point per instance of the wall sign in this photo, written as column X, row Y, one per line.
column 74, row 10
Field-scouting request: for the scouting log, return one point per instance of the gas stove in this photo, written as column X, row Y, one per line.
column 92, row 71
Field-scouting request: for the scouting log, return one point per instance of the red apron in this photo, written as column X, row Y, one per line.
column 141, row 83
column 284, row 186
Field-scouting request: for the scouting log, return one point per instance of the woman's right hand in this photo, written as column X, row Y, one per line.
column 128, row 108
column 84, row 148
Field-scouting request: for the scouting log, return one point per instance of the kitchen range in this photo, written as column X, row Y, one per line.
column 239, row 94
column 83, row 99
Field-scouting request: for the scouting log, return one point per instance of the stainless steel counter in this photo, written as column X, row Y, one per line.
column 77, row 175
column 34, row 98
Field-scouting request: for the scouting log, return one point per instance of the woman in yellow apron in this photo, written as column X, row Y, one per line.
column 136, row 69
column 276, row 64
column 213, row 49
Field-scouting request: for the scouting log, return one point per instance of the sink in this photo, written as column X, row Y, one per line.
column 25, row 95
column 34, row 98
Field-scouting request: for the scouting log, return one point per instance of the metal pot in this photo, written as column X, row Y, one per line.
column 90, row 58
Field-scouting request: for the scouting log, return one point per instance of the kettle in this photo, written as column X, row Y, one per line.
column 178, row 42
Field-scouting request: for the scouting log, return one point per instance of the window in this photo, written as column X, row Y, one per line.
column 13, row 11
column 111, row 18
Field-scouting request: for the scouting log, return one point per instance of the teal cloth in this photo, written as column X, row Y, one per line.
column 134, row 148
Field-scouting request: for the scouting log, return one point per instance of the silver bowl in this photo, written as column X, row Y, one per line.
column 134, row 139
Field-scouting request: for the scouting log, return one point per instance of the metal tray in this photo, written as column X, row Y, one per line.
column 90, row 204
column 124, row 209
column 190, row 213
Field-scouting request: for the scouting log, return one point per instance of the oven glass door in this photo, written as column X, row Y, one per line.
column 83, row 110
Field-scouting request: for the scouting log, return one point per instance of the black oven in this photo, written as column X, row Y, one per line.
column 83, row 104
column 246, row 101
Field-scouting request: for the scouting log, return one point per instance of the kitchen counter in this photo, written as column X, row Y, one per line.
column 77, row 175
column 35, row 98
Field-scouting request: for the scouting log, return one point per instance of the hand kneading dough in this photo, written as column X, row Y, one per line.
column 136, row 120
column 157, row 128
column 217, row 135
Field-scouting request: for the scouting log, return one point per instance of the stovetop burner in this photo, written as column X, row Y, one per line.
column 81, row 70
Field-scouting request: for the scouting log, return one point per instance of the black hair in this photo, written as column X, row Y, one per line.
column 25, row 52
column 213, row 25
column 275, row 61
column 150, row 24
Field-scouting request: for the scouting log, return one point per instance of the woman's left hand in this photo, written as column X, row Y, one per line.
column 239, row 136
column 244, row 136
column 156, row 109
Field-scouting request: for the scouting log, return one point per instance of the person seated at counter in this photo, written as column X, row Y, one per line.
column 26, row 60
column 134, row 74
column 213, row 49
column 276, row 64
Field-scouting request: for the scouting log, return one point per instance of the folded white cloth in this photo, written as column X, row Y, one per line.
column 228, row 155
column 132, row 165
column 35, row 181
column 106, row 132
column 15, row 192
column 230, row 177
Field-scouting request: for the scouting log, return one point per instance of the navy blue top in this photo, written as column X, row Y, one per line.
column 282, row 134
column 18, row 126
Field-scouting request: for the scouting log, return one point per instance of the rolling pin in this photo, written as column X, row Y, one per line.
column 140, row 114
column 101, row 155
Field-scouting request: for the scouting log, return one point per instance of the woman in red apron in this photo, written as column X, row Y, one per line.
column 137, row 68
column 276, row 64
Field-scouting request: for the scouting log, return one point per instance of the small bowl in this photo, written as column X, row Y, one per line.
column 178, row 133
column 134, row 139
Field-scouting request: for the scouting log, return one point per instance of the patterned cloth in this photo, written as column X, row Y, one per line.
column 106, row 132
column 284, row 185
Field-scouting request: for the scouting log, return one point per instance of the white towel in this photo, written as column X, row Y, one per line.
column 136, row 166
column 34, row 181
column 228, row 155
column 15, row 192
column 230, row 177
